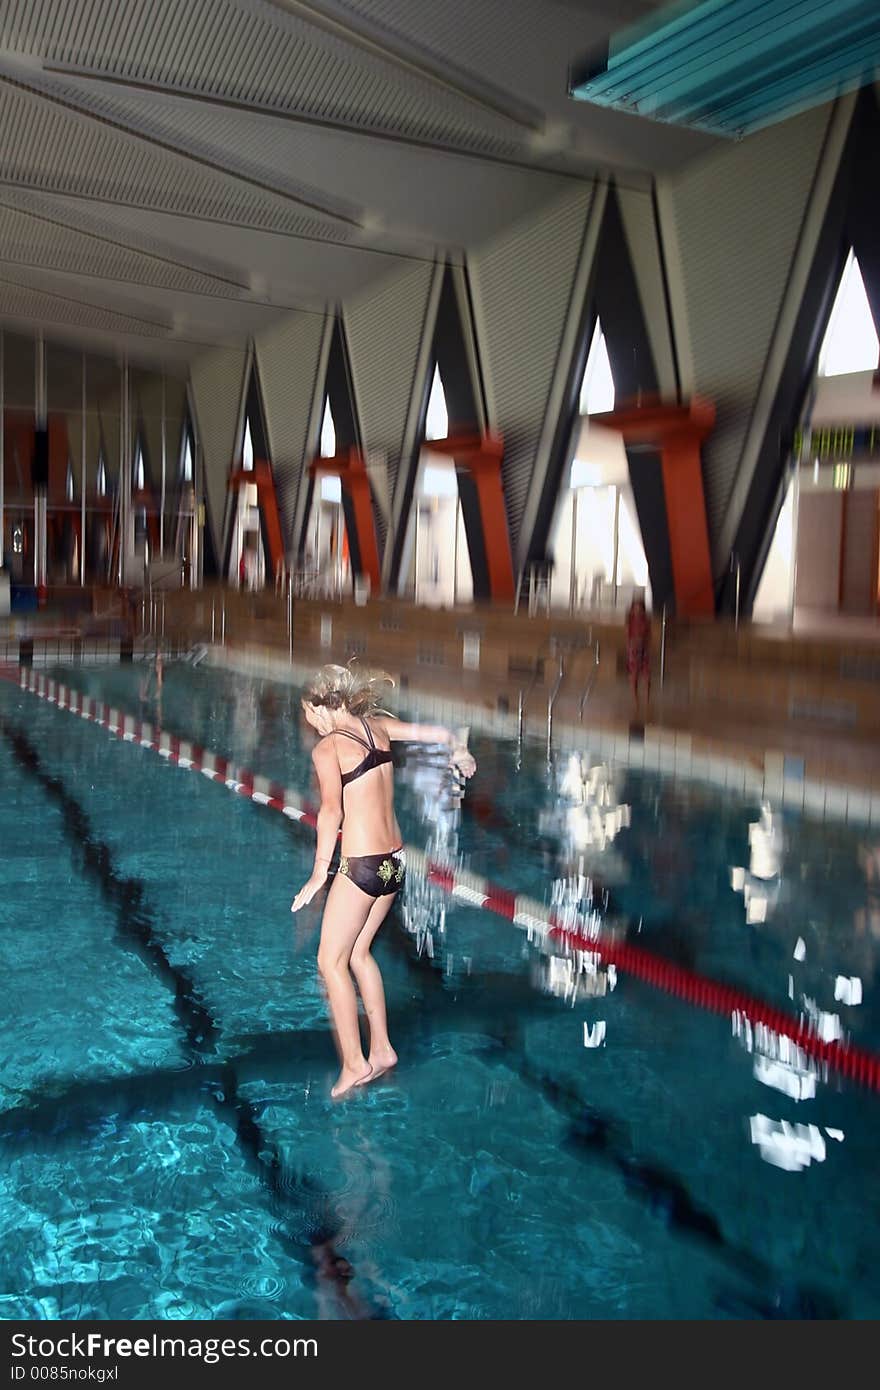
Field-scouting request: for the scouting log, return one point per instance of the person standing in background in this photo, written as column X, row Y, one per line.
column 638, row 650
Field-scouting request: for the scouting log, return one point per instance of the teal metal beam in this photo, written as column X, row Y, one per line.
column 733, row 66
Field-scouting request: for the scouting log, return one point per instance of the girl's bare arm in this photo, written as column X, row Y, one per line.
column 400, row 732
column 329, row 821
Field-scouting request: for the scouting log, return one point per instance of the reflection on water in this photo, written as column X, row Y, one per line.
column 759, row 884
column 437, row 793
column 778, row 1061
column 585, row 813
column 788, row 1146
column 772, row 888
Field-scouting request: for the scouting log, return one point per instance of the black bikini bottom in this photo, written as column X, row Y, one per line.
column 375, row 874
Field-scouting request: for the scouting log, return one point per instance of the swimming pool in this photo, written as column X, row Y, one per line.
column 552, row 1146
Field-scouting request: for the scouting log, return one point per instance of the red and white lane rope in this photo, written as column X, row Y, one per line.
column 542, row 923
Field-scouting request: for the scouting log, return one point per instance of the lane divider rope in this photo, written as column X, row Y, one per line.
column 543, row 924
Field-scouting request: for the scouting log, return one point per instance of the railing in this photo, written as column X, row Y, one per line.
column 736, row 570
column 526, row 691
column 522, row 701
column 591, row 681
column 222, row 620
column 521, row 704
column 557, row 685
column 585, row 594
column 285, row 592
column 328, row 586
column 539, row 590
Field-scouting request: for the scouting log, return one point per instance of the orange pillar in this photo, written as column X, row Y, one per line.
column 677, row 432
column 481, row 455
column 362, row 505
column 486, row 471
column 351, row 470
column 267, row 500
column 688, row 531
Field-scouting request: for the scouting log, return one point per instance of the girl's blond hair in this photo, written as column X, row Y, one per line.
column 341, row 687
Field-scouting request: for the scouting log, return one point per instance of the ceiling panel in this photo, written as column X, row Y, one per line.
column 294, row 274
column 258, row 52
column 322, row 145
column 30, row 237
column 410, row 196
column 50, row 146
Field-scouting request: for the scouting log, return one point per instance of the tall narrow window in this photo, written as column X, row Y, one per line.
column 139, row 475
column 102, row 476
column 328, row 433
column 69, row 490
column 247, row 452
column 186, row 463
column 437, row 422
column 597, row 386
column 851, row 343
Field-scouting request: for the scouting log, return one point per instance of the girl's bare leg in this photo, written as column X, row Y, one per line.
column 345, row 915
column 369, row 981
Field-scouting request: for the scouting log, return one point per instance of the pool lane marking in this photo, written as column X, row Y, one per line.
column 539, row 921
column 125, row 895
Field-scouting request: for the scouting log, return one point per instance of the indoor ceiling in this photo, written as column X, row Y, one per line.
column 174, row 174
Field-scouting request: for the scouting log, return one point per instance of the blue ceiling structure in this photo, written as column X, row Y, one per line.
column 730, row 67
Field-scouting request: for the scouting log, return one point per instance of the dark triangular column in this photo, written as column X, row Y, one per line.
column 852, row 219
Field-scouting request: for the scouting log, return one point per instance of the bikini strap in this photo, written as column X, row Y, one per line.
column 368, row 732
column 347, row 734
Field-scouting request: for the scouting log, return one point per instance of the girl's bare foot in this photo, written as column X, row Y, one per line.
column 380, row 1062
column 348, row 1078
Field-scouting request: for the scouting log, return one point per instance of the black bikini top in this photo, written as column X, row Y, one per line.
column 374, row 756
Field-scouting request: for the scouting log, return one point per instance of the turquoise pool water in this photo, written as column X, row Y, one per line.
column 167, row 1143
